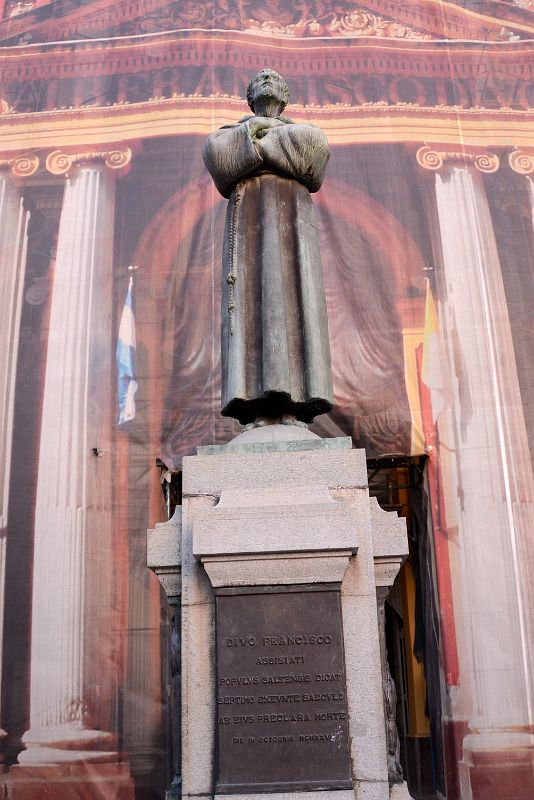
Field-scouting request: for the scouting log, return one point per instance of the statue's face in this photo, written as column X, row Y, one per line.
column 267, row 85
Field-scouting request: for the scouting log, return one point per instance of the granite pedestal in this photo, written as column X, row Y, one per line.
column 280, row 557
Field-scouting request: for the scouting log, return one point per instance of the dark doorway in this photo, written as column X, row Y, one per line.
column 412, row 626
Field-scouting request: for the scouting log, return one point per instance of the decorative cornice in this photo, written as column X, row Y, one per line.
column 21, row 166
column 433, row 159
column 81, row 130
column 522, row 161
column 294, row 57
column 41, row 77
column 107, row 18
column 60, row 162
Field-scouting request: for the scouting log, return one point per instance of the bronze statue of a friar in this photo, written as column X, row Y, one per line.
column 275, row 348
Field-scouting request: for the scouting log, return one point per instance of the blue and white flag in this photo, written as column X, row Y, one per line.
column 127, row 385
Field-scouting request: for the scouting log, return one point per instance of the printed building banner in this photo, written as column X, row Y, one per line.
column 111, row 236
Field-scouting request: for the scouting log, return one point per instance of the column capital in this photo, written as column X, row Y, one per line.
column 60, row 162
column 21, row 166
column 522, row 161
column 436, row 157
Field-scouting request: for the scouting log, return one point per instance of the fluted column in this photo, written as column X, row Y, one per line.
column 14, row 219
column 72, row 648
column 493, row 489
column 522, row 162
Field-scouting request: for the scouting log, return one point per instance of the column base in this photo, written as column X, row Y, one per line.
column 147, row 766
column 498, row 764
column 69, row 782
column 454, row 731
column 71, row 739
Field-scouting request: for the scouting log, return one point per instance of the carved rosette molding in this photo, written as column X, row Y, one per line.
column 431, row 159
column 21, row 166
column 59, row 162
column 522, row 161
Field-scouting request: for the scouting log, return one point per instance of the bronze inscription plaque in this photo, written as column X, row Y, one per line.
column 281, row 697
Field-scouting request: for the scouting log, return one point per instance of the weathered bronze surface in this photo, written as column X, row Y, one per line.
column 281, row 696
column 275, row 349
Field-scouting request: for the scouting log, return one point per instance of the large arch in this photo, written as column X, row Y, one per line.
column 164, row 274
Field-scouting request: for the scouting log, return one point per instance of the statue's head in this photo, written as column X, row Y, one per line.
column 269, row 85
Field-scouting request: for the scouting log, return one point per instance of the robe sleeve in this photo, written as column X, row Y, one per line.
column 299, row 151
column 229, row 154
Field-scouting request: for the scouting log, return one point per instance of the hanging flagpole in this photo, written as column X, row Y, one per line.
column 434, row 370
column 125, row 355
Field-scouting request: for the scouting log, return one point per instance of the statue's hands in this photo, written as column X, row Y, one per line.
column 260, row 126
column 262, row 148
column 268, row 147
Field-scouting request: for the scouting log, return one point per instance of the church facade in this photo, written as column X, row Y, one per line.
column 426, row 228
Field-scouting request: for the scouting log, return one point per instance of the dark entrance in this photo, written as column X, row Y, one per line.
column 412, row 626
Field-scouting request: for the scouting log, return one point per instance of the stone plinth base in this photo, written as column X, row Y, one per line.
column 498, row 765
column 399, row 791
column 69, row 782
column 323, row 795
column 274, row 524
column 281, row 547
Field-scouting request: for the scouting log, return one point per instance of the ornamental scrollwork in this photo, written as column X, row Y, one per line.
column 434, row 160
column 60, row 162
column 353, row 22
column 522, row 161
column 21, row 166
